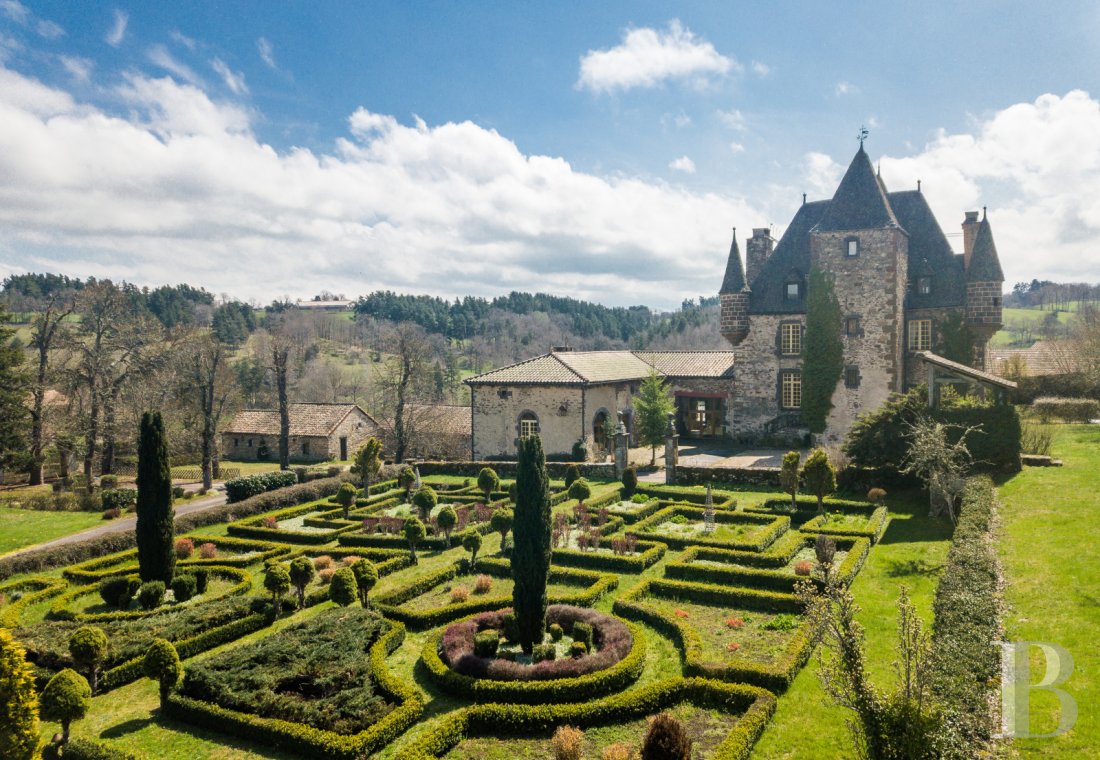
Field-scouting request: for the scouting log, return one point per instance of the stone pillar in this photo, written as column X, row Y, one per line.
column 672, row 450
column 622, row 448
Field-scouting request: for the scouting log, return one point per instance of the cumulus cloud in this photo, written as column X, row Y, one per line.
column 176, row 187
column 821, row 174
column 15, row 11
column 682, row 164
column 649, row 57
column 267, row 52
column 117, row 32
column 732, row 119
column 234, row 80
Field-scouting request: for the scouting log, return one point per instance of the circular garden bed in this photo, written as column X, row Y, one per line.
column 563, row 674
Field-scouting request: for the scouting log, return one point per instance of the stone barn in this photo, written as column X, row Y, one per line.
column 318, row 433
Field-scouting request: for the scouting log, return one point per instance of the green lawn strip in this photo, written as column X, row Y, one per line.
column 806, row 724
column 23, row 528
column 1052, row 575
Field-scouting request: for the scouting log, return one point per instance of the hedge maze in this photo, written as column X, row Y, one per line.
column 400, row 677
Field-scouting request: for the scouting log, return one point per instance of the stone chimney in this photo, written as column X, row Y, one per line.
column 757, row 250
column 970, row 231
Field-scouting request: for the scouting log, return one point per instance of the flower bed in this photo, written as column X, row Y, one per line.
column 839, row 524
column 241, row 553
column 617, row 661
column 612, row 555
column 751, row 532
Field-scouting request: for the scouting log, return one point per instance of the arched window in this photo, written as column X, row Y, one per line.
column 600, row 432
column 528, row 424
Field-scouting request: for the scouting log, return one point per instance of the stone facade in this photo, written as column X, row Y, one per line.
column 318, row 432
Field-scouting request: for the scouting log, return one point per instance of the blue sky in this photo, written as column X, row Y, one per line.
column 601, row 150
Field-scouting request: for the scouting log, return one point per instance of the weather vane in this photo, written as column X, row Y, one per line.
column 862, row 135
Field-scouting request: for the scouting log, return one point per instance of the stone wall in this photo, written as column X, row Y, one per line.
column 243, row 447
column 754, row 398
column 357, row 427
column 497, row 409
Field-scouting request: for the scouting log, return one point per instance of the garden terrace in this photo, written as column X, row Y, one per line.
column 847, row 524
column 730, row 568
column 679, row 526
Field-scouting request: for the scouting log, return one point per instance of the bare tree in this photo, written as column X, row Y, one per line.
column 46, row 329
column 209, row 383
column 401, row 381
column 940, row 464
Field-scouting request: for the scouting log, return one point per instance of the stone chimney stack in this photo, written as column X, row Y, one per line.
column 970, row 231
column 757, row 250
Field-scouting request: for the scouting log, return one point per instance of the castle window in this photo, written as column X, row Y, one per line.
column 504, row 393
column 305, row 448
column 790, row 339
column 790, row 390
column 920, row 335
column 924, row 285
column 528, row 425
column 851, row 327
column 851, row 377
column 793, row 291
column 852, row 247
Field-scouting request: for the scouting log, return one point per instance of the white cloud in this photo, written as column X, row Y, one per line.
column 15, row 11
column 845, row 88
column 737, row 147
column 117, row 31
column 679, row 119
column 761, row 69
column 732, row 119
column 178, row 189
column 80, row 68
column 683, row 164
column 234, row 80
column 267, row 52
column 159, row 55
column 183, row 39
column 49, row 30
column 649, row 57
column 821, row 174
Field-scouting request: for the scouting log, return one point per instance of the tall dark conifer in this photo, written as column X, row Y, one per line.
column 155, row 529
column 531, row 547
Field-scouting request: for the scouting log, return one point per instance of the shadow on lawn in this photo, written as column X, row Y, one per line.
column 256, row 749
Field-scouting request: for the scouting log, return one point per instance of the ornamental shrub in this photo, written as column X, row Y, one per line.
column 543, row 653
column 155, row 518
column 302, row 572
column 788, row 476
column 119, row 498
column 486, row 643
column 531, row 545
column 567, row 743
column 413, row 531
column 819, row 476
column 405, row 478
column 425, row 501
column 508, row 627
column 323, row 562
column 618, row 751
column 471, row 542
column 202, row 580
column 239, row 489
column 583, row 632
column 162, row 664
column 345, row 497
column 88, row 647
column 118, row 592
column 556, row 632
column 487, row 482
column 366, row 578
column 578, row 649
column 151, row 594
column 447, row 520
column 803, row 568
column 459, row 594
column 183, row 587
column 185, row 547
column 66, row 698
column 18, row 702
column 572, row 474
column 208, row 551
column 501, row 522
column 580, row 490
column 277, row 581
column 483, row 584
column 342, row 589
column 630, row 482
column 580, row 450
column 666, row 739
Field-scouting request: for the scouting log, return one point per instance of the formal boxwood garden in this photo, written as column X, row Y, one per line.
column 342, row 678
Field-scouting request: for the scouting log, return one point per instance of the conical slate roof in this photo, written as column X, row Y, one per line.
column 860, row 202
column 734, row 281
column 984, row 264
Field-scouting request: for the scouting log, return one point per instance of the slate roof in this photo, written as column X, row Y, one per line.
column 961, row 369
column 984, row 264
column 860, row 200
column 734, row 281
column 791, row 255
column 305, row 420
column 582, row 368
column 929, row 252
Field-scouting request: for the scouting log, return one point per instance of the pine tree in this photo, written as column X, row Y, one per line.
column 14, row 386
column 652, row 406
column 823, row 351
column 531, row 549
column 18, row 701
column 155, row 529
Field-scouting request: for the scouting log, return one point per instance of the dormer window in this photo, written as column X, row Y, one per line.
column 924, row 285
column 851, row 247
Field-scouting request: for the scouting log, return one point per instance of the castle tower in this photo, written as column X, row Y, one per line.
column 860, row 243
column 734, row 298
column 984, row 284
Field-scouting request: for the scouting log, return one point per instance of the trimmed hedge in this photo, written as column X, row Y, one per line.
column 755, row 707
column 737, row 476
column 649, row 554
column 306, row 740
column 79, row 748
column 774, row 528
column 966, row 668
column 612, row 679
column 686, row 567
column 776, row 676
column 677, row 494
column 33, row 590
column 240, row 489
column 874, row 530
column 1066, row 409
column 507, row 469
column 389, row 604
column 112, row 564
column 394, row 541
column 251, row 527
column 809, row 504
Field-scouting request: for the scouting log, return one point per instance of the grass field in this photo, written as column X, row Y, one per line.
column 1052, row 573
column 20, row 528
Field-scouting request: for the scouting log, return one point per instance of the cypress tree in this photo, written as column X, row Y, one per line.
column 823, row 349
column 531, row 547
column 155, row 529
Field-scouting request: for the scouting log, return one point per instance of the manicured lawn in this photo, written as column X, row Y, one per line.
column 26, row 527
column 1052, row 574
